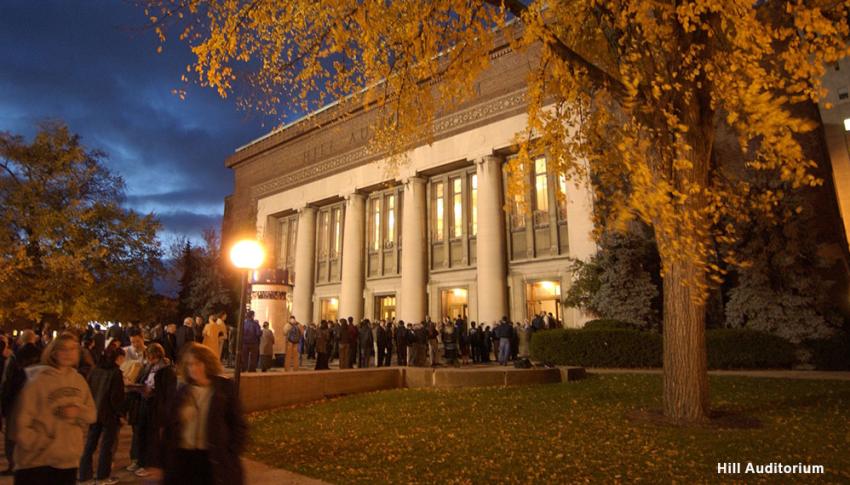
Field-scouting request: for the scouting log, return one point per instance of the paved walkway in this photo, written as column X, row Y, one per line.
column 779, row 374
column 256, row 473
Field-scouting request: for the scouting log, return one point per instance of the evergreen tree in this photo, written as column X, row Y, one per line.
column 620, row 281
column 189, row 266
column 209, row 292
column 782, row 290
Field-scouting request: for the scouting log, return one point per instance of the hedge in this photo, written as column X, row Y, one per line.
column 608, row 324
column 597, row 347
column 619, row 347
column 831, row 353
column 738, row 348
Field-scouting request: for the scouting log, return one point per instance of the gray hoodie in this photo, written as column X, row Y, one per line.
column 42, row 436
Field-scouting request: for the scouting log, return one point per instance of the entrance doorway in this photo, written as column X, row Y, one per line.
column 454, row 302
column 384, row 307
column 330, row 309
column 544, row 296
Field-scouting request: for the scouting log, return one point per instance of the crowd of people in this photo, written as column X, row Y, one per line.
column 65, row 394
column 389, row 342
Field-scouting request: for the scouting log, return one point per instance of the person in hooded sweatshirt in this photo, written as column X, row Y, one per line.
column 53, row 414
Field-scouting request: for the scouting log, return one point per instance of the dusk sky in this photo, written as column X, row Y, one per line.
column 93, row 65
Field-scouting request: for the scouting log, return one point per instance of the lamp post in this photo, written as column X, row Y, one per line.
column 246, row 255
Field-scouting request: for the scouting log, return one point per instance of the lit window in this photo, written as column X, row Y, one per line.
column 391, row 219
column 337, row 236
column 457, row 208
column 474, row 203
column 439, row 202
column 541, row 191
column 843, row 93
column 323, row 234
column 562, row 196
column 376, row 224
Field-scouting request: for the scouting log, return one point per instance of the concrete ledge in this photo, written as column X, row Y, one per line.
column 262, row 391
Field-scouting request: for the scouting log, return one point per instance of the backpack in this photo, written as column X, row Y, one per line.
column 294, row 335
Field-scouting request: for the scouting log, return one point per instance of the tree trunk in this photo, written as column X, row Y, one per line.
column 685, row 367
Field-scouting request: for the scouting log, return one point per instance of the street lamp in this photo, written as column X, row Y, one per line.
column 246, row 255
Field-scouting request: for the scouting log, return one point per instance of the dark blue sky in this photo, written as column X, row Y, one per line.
column 93, row 64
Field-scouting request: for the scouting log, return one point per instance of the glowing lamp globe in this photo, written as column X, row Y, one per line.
column 247, row 254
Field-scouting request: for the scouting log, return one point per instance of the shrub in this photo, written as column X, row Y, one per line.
column 601, row 346
column 831, row 353
column 735, row 348
column 609, row 324
column 597, row 347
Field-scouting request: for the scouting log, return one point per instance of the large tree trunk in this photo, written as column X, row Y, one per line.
column 685, row 367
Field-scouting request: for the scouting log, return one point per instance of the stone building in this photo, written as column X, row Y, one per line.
column 437, row 238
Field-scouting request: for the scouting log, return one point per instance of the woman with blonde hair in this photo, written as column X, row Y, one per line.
column 52, row 416
column 205, row 431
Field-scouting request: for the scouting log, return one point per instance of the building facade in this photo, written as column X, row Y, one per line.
column 436, row 237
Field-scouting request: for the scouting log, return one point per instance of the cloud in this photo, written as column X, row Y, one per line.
column 186, row 223
column 93, row 65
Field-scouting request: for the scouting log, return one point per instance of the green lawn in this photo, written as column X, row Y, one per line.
column 557, row 433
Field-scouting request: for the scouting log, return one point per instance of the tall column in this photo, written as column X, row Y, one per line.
column 305, row 256
column 413, row 252
column 490, row 241
column 351, row 292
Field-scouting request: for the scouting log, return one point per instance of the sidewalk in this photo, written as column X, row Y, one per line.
column 256, row 473
column 776, row 374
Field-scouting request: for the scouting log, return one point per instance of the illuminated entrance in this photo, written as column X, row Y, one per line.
column 454, row 302
column 330, row 309
column 384, row 307
column 544, row 296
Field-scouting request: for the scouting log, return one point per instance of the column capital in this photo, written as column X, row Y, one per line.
column 305, row 208
column 354, row 195
column 413, row 179
column 492, row 158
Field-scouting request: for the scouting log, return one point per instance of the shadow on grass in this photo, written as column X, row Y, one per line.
column 718, row 419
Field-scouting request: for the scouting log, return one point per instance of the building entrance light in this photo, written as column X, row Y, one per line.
column 846, row 124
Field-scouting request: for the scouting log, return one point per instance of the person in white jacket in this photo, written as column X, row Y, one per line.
column 52, row 416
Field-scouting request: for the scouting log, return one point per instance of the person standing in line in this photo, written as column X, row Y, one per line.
column 323, row 340
column 199, row 328
column 433, row 344
column 214, row 333
column 107, row 386
column 310, row 339
column 251, row 334
column 401, row 343
column 388, row 352
column 503, row 332
column 52, row 416
column 205, row 431
column 421, row 334
column 365, row 343
column 157, row 392
column 14, row 378
column 381, row 341
column 266, row 348
column 344, row 344
column 185, row 334
column 354, row 351
column 294, row 336
column 473, row 343
column 169, row 341
column 524, row 336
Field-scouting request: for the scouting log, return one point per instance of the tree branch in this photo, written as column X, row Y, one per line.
column 597, row 74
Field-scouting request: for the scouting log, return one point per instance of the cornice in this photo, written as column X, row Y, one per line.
column 442, row 127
